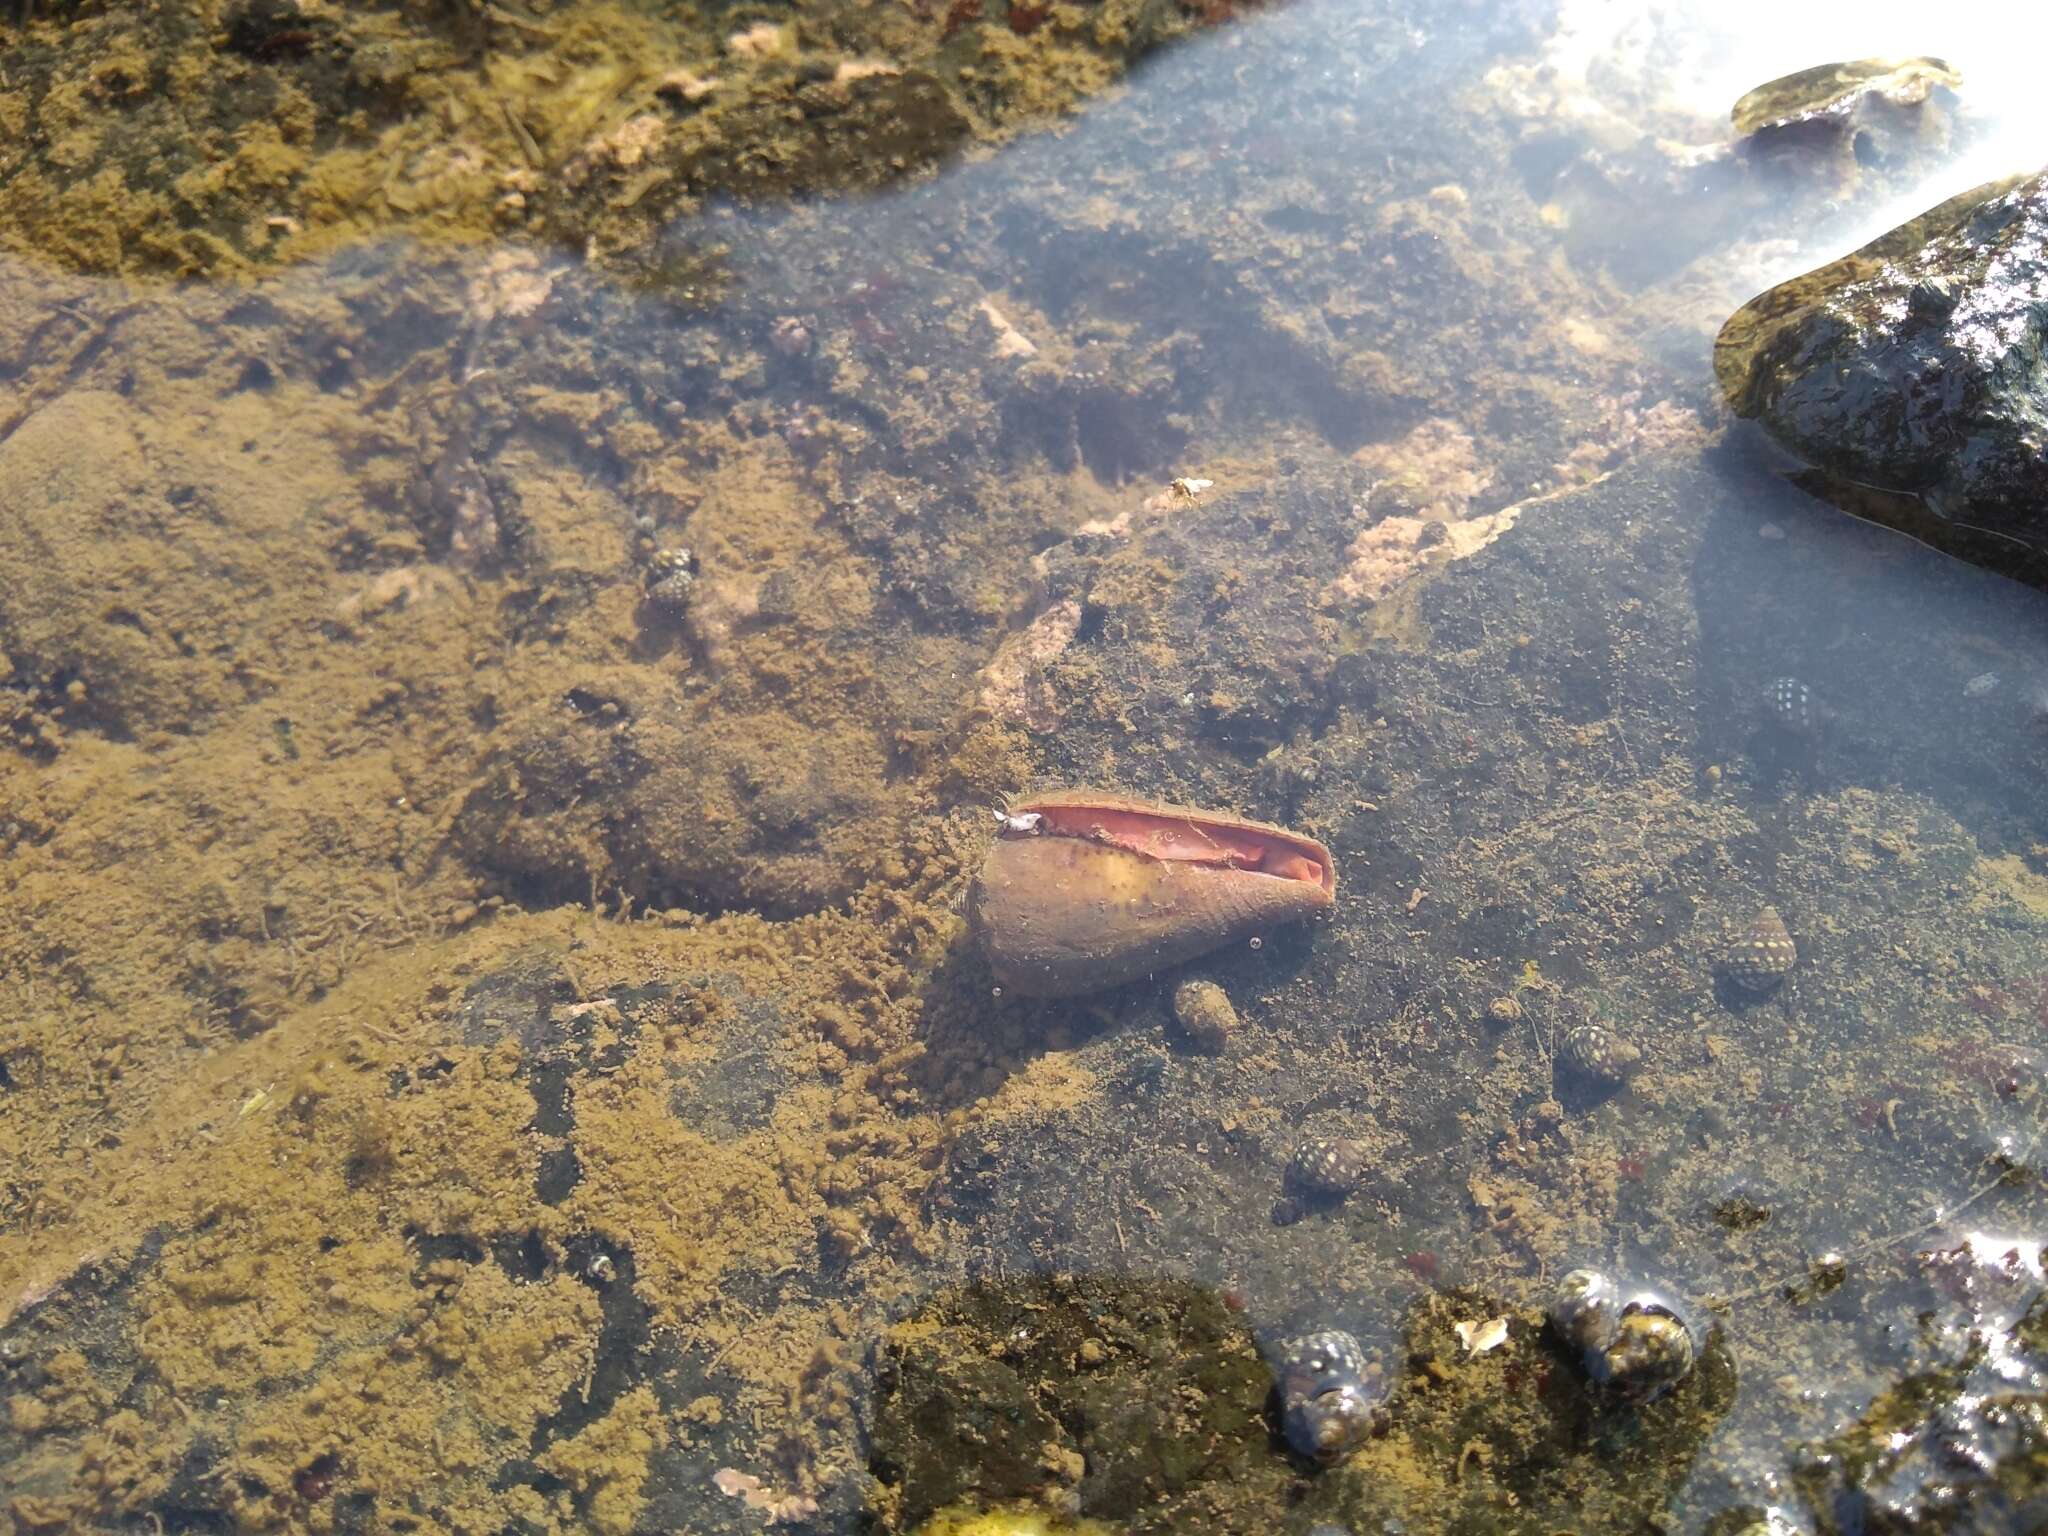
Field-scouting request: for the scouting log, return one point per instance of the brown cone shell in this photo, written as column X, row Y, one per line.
column 1108, row 889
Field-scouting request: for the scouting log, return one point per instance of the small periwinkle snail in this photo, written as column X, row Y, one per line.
column 1327, row 1168
column 1598, row 1054
column 1328, row 1409
column 1789, row 706
column 1638, row 1348
column 1757, row 954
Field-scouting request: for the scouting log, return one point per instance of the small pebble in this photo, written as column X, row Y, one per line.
column 1205, row 1014
column 790, row 337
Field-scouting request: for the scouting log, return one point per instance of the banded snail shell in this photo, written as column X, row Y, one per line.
column 1760, row 952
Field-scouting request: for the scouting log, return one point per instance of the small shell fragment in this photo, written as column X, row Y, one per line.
column 1479, row 1337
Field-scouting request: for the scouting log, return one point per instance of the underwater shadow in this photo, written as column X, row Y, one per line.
column 1836, row 652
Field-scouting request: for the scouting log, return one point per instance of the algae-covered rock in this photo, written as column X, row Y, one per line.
column 611, row 788
column 1917, row 364
column 133, row 574
column 968, row 1521
column 221, row 137
column 1876, row 108
column 1141, row 1401
column 1961, row 1444
column 1146, row 1403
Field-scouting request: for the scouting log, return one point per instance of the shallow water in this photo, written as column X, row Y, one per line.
column 500, row 731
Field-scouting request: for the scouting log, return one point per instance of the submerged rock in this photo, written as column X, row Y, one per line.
column 1878, row 109
column 1960, row 1443
column 1916, row 364
column 1098, row 1395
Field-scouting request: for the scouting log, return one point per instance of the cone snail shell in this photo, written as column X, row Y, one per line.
column 1085, row 890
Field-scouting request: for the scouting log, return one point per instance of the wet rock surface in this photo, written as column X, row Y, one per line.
column 1874, row 110
column 1915, row 364
column 1960, row 1443
column 1454, row 885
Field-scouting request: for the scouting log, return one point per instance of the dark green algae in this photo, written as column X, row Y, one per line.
column 1148, row 1403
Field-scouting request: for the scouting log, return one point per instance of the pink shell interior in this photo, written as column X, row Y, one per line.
column 1187, row 839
